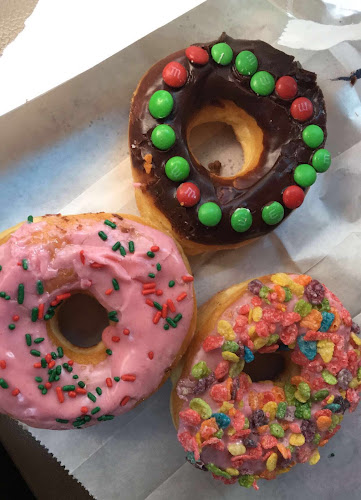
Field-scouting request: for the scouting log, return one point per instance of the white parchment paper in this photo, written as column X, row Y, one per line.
column 67, row 151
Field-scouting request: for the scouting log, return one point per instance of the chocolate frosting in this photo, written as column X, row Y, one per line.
column 283, row 147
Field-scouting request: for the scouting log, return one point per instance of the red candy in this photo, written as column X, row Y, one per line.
column 244, row 309
column 323, row 413
column 293, row 197
column 289, row 318
column 197, row 55
column 272, row 315
column 295, row 428
column 346, row 317
column 298, row 358
column 215, row 442
column 221, row 370
column 189, row 443
column 268, row 442
column 220, row 393
column 242, row 321
column 190, row 417
column 268, row 396
column 262, row 329
column 238, row 421
column 301, row 109
column 256, row 301
column 212, row 342
column 188, row 194
column 207, row 431
column 174, row 74
column 286, row 87
column 289, row 334
column 268, row 349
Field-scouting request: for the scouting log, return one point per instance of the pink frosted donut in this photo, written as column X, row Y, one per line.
column 136, row 273
column 274, row 365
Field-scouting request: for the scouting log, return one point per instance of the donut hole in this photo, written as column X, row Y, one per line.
column 271, row 366
column 81, row 320
column 225, row 139
column 215, row 146
column 77, row 327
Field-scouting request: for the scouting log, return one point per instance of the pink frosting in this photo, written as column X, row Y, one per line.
column 222, row 459
column 131, row 355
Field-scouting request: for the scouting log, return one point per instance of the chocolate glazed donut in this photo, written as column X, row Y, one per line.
column 278, row 115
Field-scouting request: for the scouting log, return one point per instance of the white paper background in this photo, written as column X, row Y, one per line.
column 63, row 38
column 63, row 151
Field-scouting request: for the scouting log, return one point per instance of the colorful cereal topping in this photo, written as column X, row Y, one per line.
column 243, row 430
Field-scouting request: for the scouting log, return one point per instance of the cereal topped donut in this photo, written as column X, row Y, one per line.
column 235, row 422
column 278, row 115
column 131, row 274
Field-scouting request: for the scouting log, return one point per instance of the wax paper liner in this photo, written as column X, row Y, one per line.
column 82, row 134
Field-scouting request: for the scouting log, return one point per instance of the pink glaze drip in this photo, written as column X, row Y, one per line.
column 129, row 355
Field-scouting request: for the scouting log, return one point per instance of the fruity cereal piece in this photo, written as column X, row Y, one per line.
column 325, row 349
column 312, row 321
column 288, row 418
column 267, row 441
column 220, row 393
column 225, row 329
column 302, row 279
column 212, row 342
column 189, row 443
column 190, row 417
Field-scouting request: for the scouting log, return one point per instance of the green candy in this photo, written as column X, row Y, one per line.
column 161, row 104
column 335, row 421
column 303, row 411
column 201, row 407
column 359, row 373
column 163, row 137
column 317, row 438
column 246, row 481
column 281, row 410
column 222, row 53
column 276, row 430
column 305, row 175
column 324, row 306
column 273, row 214
column 230, row 346
column 329, row 378
column 209, row 214
column 272, row 339
column 236, row 368
column 246, row 423
column 321, row 160
column 200, row 370
column 219, row 434
column 288, row 294
column 302, row 308
column 246, row 63
column 290, row 393
column 304, row 390
column 313, row 136
column 218, row 472
column 264, row 291
column 262, row 83
column 241, row 220
column 320, row 395
column 177, row 169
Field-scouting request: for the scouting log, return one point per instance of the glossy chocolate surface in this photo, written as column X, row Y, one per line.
column 283, row 148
